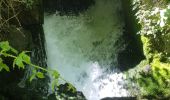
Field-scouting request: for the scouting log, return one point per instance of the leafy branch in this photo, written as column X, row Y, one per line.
column 22, row 59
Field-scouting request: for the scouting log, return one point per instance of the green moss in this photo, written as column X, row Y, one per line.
column 156, row 48
column 156, row 83
column 147, row 47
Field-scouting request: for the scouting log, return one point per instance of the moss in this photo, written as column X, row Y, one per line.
column 155, row 84
column 147, row 47
column 156, row 48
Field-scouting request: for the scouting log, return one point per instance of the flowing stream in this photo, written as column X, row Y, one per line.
column 82, row 48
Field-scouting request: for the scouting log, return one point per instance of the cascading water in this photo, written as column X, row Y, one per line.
column 82, row 48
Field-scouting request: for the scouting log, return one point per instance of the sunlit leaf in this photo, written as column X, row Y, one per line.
column 40, row 75
column 14, row 51
column 4, row 66
column 5, row 46
column 25, row 57
column 55, row 74
column 32, row 77
column 19, row 62
column 54, row 84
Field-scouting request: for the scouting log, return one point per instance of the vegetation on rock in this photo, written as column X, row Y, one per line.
column 154, row 74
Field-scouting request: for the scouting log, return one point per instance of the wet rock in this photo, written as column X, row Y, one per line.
column 65, row 92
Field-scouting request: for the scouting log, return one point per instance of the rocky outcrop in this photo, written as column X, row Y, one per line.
column 132, row 54
column 152, row 74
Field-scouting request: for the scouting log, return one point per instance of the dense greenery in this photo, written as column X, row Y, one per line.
column 154, row 74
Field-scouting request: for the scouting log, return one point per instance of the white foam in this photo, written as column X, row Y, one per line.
column 82, row 48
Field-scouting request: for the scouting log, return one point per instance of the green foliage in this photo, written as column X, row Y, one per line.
column 33, row 76
column 167, row 14
column 5, row 47
column 55, row 76
column 3, row 66
column 156, row 84
column 153, row 16
column 22, row 59
column 71, row 88
column 40, row 75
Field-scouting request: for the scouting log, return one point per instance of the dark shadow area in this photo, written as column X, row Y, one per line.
column 67, row 6
column 133, row 52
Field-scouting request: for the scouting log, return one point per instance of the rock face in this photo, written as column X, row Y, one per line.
column 133, row 53
column 65, row 93
column 67, row 6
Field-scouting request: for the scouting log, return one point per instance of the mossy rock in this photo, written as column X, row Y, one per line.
column 156, row 83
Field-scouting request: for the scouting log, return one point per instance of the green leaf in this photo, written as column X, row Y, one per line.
column 71, row 88
column 14, row 50
column 55, row 74
column 40, row 75
column 32, row 77
column 167, row 14
column 19, row 62
column 25, row 57
column 4, row 66
column 1, row 60
column 54, row 84
column 5, row 46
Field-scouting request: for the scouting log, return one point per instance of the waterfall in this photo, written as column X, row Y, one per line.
column 82, row 48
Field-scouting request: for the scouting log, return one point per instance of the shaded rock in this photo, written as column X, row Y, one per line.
column 132, row 53
column 65, row 92
column 67, row 6
column 18, row 38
